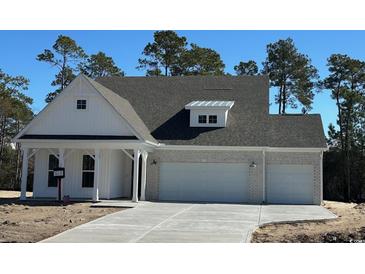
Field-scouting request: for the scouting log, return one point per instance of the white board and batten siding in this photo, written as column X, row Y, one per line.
column 289, row 184
column 62, row 117
column 204, row 182
column 115, row 175
column 73, row 172
column 120, row 174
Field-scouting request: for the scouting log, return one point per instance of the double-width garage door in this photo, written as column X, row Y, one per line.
column 205, row 182
column 289, row 184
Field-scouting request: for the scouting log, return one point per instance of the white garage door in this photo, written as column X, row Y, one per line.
column 289, row 184
column 206, row 182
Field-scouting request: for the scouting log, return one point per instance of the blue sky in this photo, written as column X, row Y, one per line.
column 18, row 50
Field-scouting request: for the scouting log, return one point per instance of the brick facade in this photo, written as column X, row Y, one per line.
column 247, row 157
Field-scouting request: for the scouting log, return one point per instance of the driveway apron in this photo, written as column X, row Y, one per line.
column 155, row 222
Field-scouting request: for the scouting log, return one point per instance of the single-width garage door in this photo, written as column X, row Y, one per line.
column 289, row 184
column 206, row 182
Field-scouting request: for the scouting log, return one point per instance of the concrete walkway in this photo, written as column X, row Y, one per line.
column 151, row 222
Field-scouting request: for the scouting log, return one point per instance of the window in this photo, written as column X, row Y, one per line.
column 202, row 119
column 52, row 164
column 212, row 119
column 88, row 169
column 81, row 104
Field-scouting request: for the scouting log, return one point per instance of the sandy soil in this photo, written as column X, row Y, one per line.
column 348, row 227
column 33, row 221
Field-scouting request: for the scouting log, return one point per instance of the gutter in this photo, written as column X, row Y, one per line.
column 162, row 146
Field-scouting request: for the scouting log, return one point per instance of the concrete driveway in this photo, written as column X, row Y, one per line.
column 186, row 223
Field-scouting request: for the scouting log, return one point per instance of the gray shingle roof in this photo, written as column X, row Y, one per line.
column 295, row 131
column 124, row 108
column 160, row 102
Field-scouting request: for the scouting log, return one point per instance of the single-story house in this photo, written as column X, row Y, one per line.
column 204, row 139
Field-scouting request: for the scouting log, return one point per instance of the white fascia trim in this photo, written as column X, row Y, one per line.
column 81, row 144
column 295, row 149
column 238, row 148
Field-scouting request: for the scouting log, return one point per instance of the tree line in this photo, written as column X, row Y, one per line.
column 15, row 113
column 291, row 73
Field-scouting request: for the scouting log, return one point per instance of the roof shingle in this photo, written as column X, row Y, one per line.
column 160, row 102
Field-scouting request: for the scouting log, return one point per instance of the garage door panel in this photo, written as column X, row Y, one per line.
column 290, row 184
column 218, row 182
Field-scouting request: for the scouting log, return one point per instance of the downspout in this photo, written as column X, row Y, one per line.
column 263, row 176
column 321, row 174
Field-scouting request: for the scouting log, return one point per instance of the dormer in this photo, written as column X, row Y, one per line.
column 209, row 113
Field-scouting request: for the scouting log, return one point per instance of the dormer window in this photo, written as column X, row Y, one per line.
column 81, row 104
column 209, row 113
column 212, row 119
column 202, row 119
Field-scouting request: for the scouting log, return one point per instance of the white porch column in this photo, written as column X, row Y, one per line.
column 61, row 157
column 143, row 178
column 96, row 176
column 23, row 186
column 61, row 163
column 137, row 153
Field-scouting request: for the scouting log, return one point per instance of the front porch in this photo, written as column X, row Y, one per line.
column 94, row 170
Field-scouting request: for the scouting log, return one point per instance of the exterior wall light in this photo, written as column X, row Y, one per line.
column 253, row 164
column 154, row 162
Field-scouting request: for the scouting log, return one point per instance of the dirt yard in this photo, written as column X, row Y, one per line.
column 348, row 227
column 32, row 221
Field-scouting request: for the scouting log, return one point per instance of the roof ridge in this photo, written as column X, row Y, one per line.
column 294, row 114
column 182, row 77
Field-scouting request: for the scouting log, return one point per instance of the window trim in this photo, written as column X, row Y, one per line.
column 213, row 116
column 51, row 170
column 201, row 116
column 81, row 104
column 87, row 171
